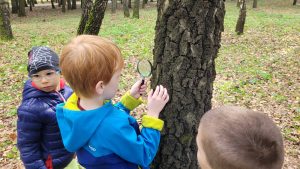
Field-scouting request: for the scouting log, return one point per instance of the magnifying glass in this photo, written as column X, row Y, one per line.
column 144, row 67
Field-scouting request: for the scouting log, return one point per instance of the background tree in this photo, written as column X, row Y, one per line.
column 125, row 8
column 295, row 2
column 21, row 11
column 254, row 4
column 73, row 4
column 144, row 3
column 5, row 27
column 52, row 4
column 239, row 29
column 63, row 6
column 136, row 9
column 95, row 17
column 14, row 6
column 114, row 6
column 86, row 9
column 187, row 40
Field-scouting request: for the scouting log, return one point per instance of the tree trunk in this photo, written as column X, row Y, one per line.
column 125, row 8
column 113, row 6
column 129, row 3
column 69, row 5
column 295, row 2
column 52, row 4
column 21, row 11
column 136, row 9
column 239, row 29
column 254, row 4
column 63, row 6
column 31, row 3
column 5, row 27
column 86, row 9
column 14, row 6
column 96, row 17
column 73, row 4
column 187, row 40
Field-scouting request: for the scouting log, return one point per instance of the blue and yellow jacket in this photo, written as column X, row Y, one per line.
column 108, row 137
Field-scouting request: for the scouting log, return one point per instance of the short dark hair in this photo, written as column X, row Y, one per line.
column 238, row 138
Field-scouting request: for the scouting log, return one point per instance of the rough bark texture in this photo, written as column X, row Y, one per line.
column 239, row 29
column 187, row 39
column 125, row 8
column 113, row 6
column 254, row 4
column 86, row 9
column 21, row 11
column 295, row 2
column 96, row 17
column 136, row 9
column 5, row 27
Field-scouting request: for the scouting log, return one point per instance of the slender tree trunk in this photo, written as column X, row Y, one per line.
column 254, row 4
column 125, row 8
column 113, row 6
column 21, row 11
column 52, row 4
column 87, row 7
column 63, row 6
column 239, row 29
column 73, row 4
column 69, row 5
column 136, row 9
column 96, row 16
column 5, row 27
column 295, row 2
column 187, row 40
column 31, row 3
column 129, row 3
column 144, row 3
column 14, row 6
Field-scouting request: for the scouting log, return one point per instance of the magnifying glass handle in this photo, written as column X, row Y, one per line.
column 143, row 82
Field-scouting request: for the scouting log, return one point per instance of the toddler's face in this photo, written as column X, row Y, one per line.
column 46, row 80
column 201, row 154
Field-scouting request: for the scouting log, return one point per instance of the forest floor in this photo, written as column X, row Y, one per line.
column 258, row 70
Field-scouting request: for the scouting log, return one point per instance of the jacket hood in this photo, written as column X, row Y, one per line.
column 76, row 126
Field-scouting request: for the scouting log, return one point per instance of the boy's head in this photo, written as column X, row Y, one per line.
column 236, row 138
column 88, row 60
column 43, row 68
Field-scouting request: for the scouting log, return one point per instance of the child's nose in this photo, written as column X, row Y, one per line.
column 44, row 79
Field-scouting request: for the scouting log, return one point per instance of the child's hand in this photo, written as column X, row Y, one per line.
column 137, row 89
column 157, row 101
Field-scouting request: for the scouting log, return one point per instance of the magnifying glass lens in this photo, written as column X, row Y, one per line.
column 144, row 68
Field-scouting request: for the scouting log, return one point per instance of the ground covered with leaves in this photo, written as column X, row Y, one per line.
column 259, row 69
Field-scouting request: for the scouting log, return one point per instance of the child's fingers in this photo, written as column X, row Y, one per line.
column 161, row 91
column 150, row 94
column 156, row 92
column 165, row 94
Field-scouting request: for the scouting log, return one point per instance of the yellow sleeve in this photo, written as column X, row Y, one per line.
column 71, row 103
column 152, row 122
column 130, row 102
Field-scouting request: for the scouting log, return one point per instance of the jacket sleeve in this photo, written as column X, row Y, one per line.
column 139, row 149
column 128, row 103
column 29, row 137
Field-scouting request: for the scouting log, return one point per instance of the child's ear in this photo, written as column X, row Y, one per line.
column 99, row 87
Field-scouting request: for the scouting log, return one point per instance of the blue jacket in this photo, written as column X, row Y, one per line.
column 108, row 137
column 37, row 128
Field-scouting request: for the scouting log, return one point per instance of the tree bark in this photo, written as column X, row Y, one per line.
column 69, row 5
column 21, row 11
column 95, row 18
column 295, row 2
column 126, row 9
column 136, row 9
column 52, row 4
column 254, row 4
column 129, row 3
column 86, row 9
column 187, row 40
column 239, row 29
column 14, row 6
column 73, row 4
column 113, row 6
column 63, row 6
column 5, row 27
column 144, row 3
column 238, row 2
